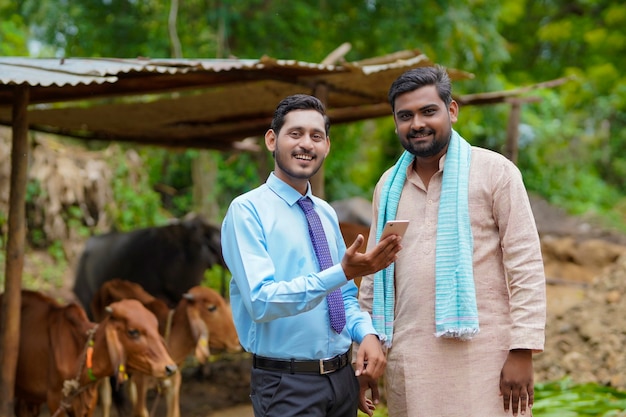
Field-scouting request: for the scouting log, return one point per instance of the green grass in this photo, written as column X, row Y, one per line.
column 566, row 399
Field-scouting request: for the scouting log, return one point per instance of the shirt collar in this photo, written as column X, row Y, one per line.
column 411, row 168
column 286, row 191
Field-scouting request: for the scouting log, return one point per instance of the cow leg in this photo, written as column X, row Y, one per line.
column 104, row 389
column 172, row 395
column 139, row 386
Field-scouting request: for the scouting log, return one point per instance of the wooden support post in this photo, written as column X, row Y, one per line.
column 512, row 131
column 10, row 313
column 317, row 181
column 321, row 91
column 511, row 148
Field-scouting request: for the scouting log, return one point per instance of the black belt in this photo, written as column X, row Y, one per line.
column 294, row 366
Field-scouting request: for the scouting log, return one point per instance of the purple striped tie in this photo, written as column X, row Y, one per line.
column 336, row 308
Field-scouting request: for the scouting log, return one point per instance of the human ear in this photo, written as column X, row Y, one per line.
column 270, row 140
column 453, row 109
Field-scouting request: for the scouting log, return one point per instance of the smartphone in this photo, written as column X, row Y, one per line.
column 395, row 227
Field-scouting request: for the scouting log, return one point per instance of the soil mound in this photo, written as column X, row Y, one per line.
column 585, row 342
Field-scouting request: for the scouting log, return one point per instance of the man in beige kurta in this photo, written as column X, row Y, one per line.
column 430, row 376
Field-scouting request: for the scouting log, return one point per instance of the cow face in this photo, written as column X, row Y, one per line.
column 213, row 241
column 134, row 342
column 211, row 308
column 209, row 237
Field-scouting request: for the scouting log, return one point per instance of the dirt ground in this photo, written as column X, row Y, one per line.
column 586, row 330
column 586, row 287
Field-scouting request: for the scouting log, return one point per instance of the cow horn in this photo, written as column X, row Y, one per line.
column 108, row 309
column 188, row 296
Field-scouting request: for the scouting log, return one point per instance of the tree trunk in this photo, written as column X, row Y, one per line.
column 204, row 175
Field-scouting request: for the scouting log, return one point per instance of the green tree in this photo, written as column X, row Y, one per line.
column 586, row 40
column 13, row 30
column 504, row 43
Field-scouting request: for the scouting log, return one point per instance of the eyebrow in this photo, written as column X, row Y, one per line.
column 315, row 129
column 425, row 107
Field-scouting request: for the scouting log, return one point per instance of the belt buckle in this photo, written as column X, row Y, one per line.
column 325, row 371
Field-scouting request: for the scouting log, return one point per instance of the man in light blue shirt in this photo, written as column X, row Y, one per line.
column 278, row 292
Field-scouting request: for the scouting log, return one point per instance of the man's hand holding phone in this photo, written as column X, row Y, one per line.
column 356, row 264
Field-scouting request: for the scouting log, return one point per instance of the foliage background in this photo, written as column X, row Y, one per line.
column 571, row 142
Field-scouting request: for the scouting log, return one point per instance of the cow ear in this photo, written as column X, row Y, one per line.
column 63, row 338
column 117, row 354
column 200, row 333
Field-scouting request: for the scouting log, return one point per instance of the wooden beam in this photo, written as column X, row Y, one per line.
column 10, row 313
column 502, row 96
column 338, row 55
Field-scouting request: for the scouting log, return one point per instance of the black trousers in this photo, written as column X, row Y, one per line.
column 281, row 394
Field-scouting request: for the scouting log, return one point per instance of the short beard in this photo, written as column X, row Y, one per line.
column 291, row 173
column 433, row 148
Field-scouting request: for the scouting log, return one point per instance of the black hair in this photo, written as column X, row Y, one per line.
column 297, row 102
column 420, row 77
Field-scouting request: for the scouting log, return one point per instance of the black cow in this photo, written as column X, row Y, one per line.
column 166, row 261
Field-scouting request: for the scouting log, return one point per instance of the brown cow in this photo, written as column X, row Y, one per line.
column 350, row 231
column 201, row 313
column 62, row 355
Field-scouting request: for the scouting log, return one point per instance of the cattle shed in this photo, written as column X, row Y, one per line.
column 179, row 103
column 210, row 104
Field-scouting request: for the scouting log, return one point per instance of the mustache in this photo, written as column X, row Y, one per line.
column 420, row 132
column 301, row 152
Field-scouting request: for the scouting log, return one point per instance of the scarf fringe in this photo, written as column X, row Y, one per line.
column 465, row 334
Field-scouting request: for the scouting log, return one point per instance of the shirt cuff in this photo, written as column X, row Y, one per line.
column 333, row 277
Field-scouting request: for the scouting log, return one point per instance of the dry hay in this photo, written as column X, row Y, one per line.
column 68, row 187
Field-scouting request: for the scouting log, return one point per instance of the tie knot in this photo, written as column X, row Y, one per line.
column 306, row 204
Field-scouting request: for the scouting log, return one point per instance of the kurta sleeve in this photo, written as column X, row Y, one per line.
column 522, row 259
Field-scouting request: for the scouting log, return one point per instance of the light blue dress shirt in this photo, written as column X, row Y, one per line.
column 277, row 293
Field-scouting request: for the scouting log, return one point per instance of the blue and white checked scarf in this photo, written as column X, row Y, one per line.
column 456, row 314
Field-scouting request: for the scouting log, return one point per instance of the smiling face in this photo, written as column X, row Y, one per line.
column 424, row 122
column 299, row 147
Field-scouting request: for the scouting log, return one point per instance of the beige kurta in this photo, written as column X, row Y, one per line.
column 428, row 376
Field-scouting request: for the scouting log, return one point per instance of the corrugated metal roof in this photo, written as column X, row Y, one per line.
column 71, row 71
column 206, row 103
column 16, row 74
